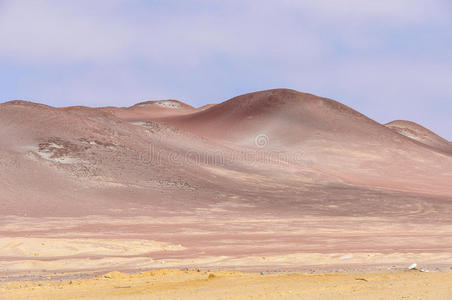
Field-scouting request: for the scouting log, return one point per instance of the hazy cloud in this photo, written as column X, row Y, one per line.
column 389, row 59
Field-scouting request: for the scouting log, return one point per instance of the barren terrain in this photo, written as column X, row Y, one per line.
column 276, row 180
column 193, row 284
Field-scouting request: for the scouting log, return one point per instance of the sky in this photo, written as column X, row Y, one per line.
column 388, row 59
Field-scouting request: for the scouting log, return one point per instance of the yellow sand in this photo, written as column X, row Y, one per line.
column 175, row 284
column 55, row 247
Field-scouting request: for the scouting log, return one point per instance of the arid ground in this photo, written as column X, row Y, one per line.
column 273, row 181
column 191, row 284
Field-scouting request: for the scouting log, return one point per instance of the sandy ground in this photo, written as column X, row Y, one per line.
column 73, row 248
column 199, row 284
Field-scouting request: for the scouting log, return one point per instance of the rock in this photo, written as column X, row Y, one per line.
column 115, row 275
column 412, row 267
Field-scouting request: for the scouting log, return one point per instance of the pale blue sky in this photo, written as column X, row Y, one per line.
column 389, row 59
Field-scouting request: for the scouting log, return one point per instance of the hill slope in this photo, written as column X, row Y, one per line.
column 420, row 134
column 326, row 135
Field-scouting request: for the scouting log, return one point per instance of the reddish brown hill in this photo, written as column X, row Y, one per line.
column 147, row 110
column 77, row 160
column 287, row 117
column 333, row 138
column 420, row 134
column 204, row 107
column 324, row 180
column 309, row 140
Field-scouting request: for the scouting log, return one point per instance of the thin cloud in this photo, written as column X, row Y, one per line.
column 368, row 54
